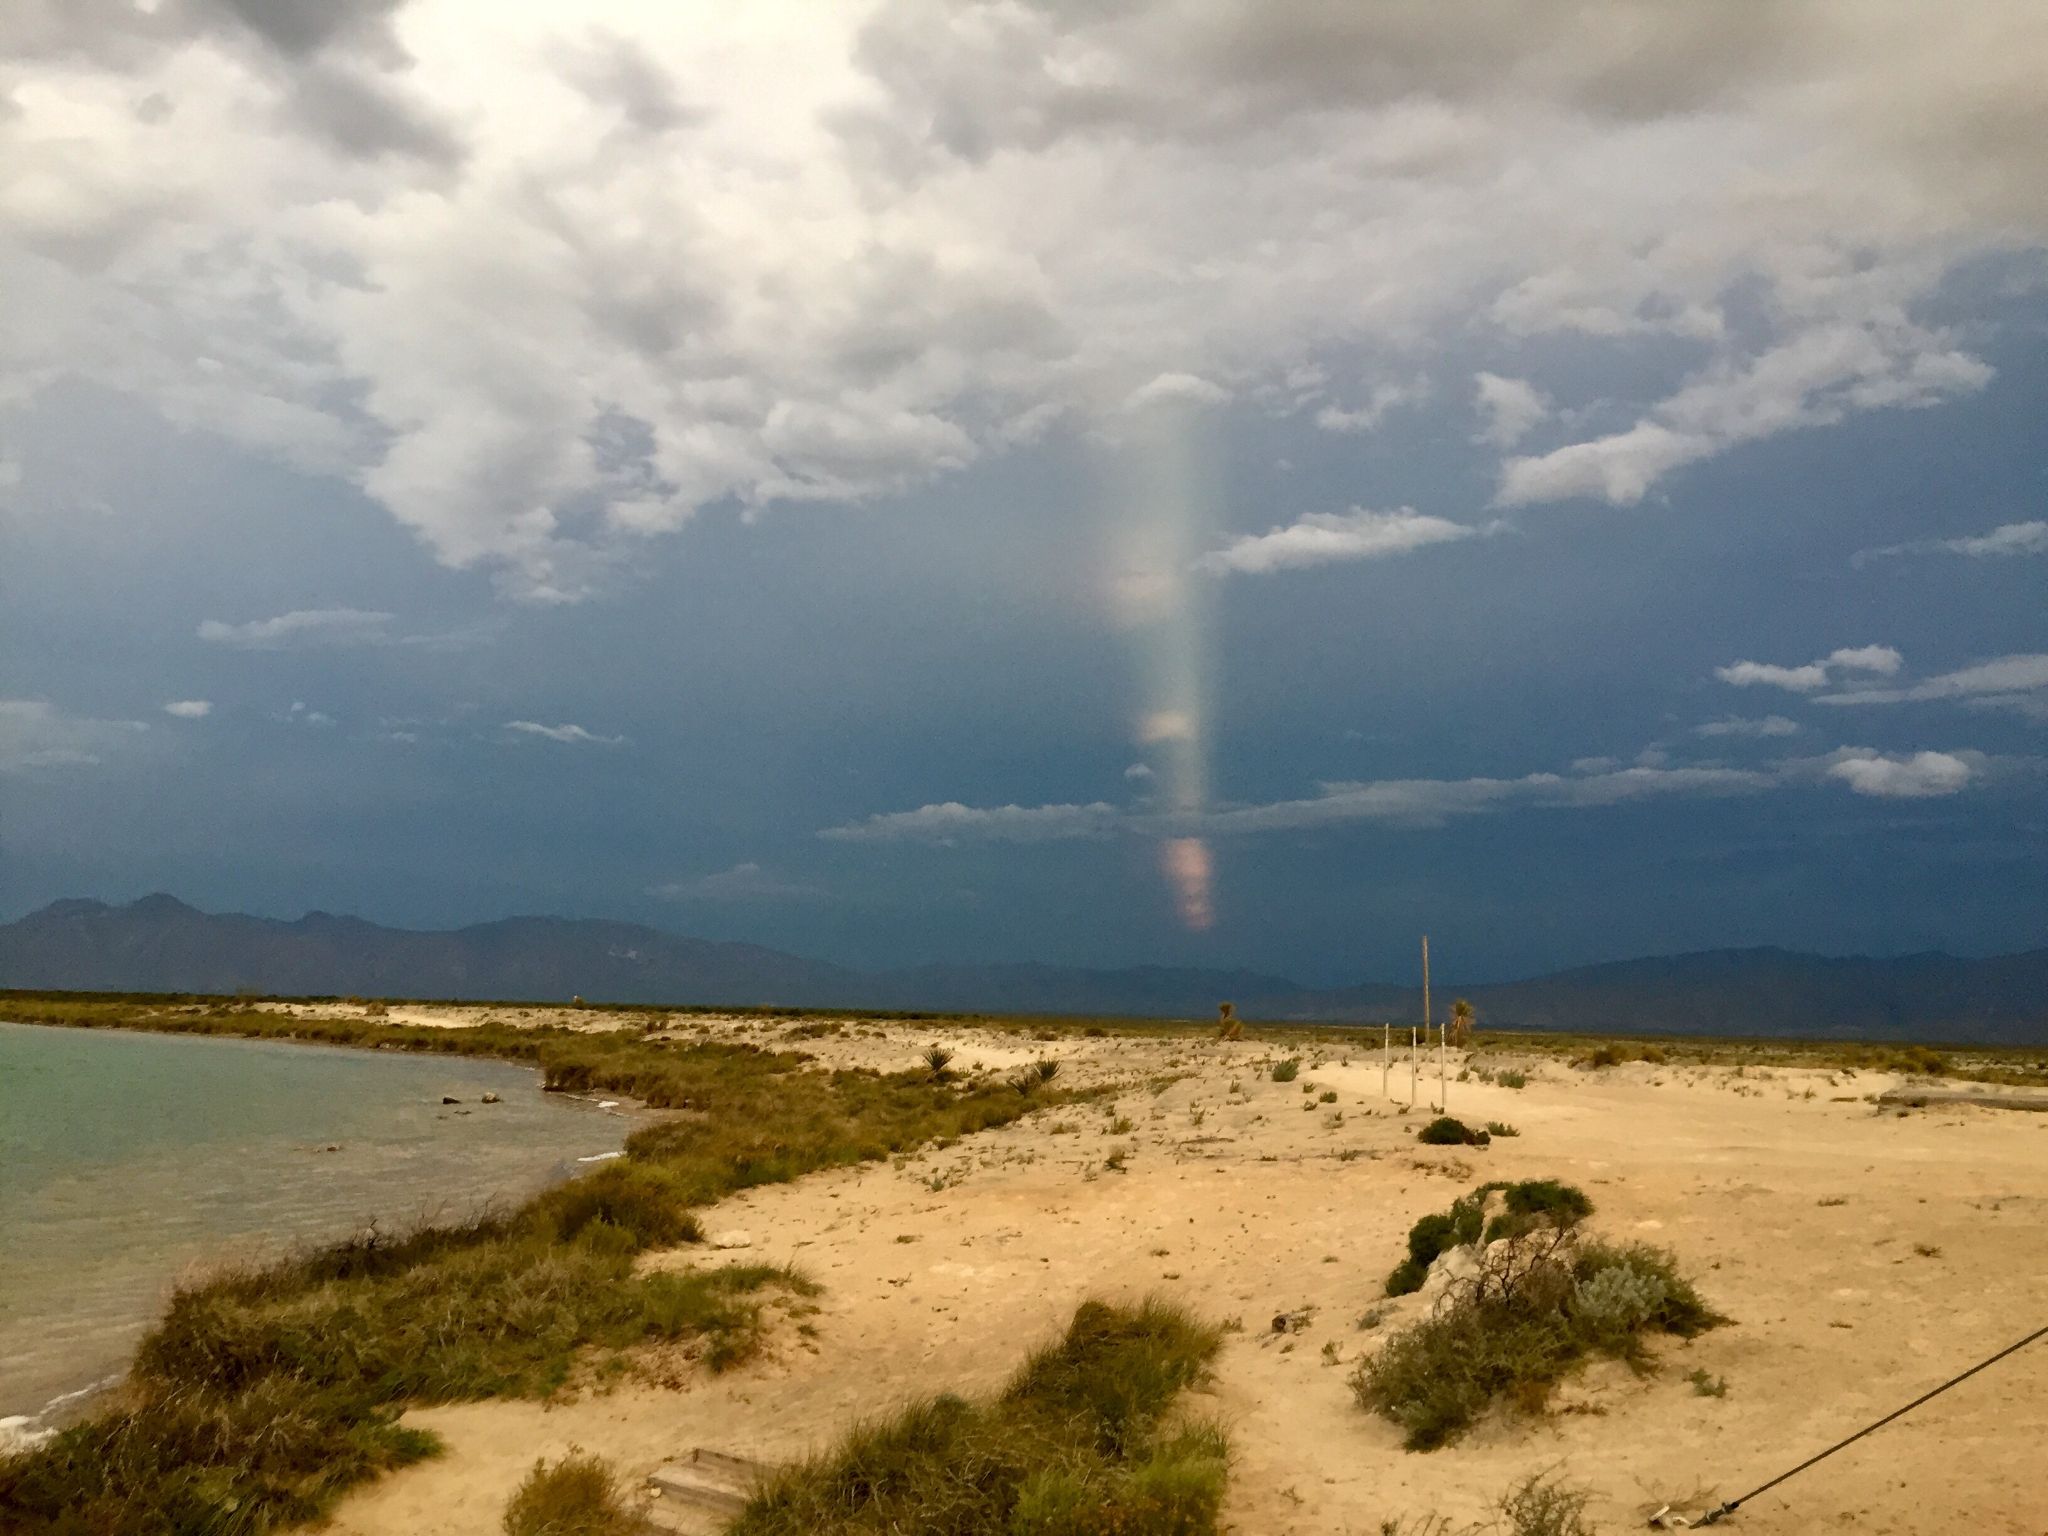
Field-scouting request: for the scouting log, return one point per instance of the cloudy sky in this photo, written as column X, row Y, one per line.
column 1191, row 482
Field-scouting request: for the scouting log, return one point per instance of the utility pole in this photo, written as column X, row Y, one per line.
column 1425, row 981
column 1414, row 1058
column 1425, row 1014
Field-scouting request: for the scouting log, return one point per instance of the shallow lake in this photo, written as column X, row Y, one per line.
column 129, row 1161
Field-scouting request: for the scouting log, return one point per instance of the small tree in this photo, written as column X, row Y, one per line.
column 1228, row 1025
column 1461, row 1023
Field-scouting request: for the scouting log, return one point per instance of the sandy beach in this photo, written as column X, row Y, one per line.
column 1863, row 1253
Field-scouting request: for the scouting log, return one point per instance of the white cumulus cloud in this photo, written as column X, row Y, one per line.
column 950, row 822
column 2004, row 681
column 1512, row 408
column 2004, row 541
column 1737, row 725
column 1918, row 776
column 1320, row 538
column 303, row 626
column 36, row 734
column 547, row 281
column 189, row 709
column 1810, row 676
column 572, row 735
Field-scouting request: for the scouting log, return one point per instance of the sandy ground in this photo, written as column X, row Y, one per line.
column 1865, row 1256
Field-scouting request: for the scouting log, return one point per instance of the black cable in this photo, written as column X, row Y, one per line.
column 1712, row 1516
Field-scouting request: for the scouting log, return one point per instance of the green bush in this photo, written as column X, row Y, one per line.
column 1286, row 1071
column 1500, row 1128
column 1512, row 1079
column 1444, row 1131
column 1074, row 1446
column 1530, row 1203
column 1537, row 1306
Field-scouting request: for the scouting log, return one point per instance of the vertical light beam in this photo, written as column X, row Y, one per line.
column 1168, row 516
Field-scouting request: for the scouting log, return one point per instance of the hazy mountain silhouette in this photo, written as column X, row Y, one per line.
column 159, row 944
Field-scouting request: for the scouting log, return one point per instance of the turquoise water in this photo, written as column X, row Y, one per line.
column 130, row 1161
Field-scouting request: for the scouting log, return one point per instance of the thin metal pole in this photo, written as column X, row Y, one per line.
column 1443, row 1091
column 1425, row 981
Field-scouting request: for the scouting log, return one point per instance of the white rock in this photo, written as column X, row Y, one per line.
column 730, row 1239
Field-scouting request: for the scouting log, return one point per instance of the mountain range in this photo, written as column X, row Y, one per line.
column 160, row 944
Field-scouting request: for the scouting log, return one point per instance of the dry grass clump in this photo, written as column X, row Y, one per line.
column 263, row 1395
column 1541, row 1505
column 1078, row 1444
column 1538, row 1304
column 577, row 1496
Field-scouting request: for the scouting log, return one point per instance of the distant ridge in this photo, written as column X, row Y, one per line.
column 159, row 944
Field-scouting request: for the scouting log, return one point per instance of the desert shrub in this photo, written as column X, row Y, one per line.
column 1653, row 1054
column 1437, row 1233
column 1917, row 1061
column 1075, row 1445
column 1512, row 1079
column 1538, row 1202
column 1286, row 1071
column 1537, row 1305
column 1444, row 1131
column 1500, row 1128
column 1541, row 1506
column 938, row 1059
column 1606, row 1056
column 1328, row 1096
column 577, row 1496
column 1046, row 1068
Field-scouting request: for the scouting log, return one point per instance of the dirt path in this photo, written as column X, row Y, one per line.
column 1865, row 1256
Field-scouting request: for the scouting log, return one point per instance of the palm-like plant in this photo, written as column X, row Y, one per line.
column 1461, row 1022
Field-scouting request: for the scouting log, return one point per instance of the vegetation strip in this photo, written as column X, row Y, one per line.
column 265, row 1394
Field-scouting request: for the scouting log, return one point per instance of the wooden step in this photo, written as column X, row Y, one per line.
column 705, row 1483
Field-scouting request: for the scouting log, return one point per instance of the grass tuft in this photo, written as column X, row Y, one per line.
column 577, row 1496
column 1078, row 1444
column 1286, row 1071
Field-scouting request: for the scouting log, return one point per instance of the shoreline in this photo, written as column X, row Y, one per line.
column 103, row 1332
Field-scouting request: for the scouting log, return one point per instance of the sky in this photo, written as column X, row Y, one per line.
column 1237, row 484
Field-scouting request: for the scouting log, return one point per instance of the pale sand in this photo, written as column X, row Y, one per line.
column 1838, row 1318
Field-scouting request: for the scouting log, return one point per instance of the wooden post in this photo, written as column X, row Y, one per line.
column 1425, row 981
